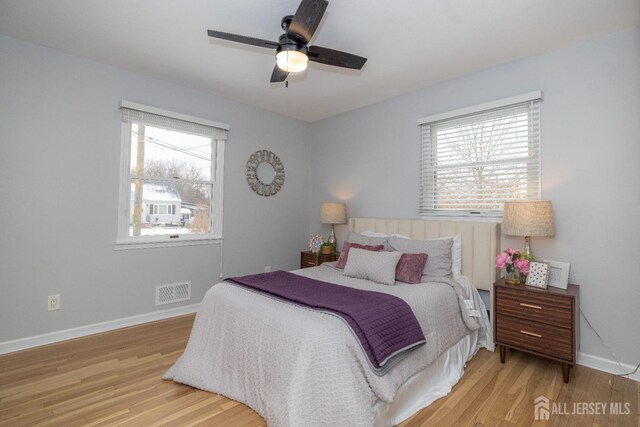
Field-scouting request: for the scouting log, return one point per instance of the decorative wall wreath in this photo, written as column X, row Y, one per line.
column 265, row 173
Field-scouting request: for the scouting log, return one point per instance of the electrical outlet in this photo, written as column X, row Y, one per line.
column 267, row 268
column 53, row 302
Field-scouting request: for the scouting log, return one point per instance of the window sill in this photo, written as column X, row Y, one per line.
column 463, row 217
column 152, row 244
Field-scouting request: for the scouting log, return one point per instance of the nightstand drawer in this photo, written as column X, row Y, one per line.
column 532, row 305
column 542, row 338
column 309, row 259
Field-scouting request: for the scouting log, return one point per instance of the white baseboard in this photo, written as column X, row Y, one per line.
column 81, row 331
column 606, row 365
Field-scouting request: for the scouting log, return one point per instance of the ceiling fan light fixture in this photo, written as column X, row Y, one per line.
column 291, row 61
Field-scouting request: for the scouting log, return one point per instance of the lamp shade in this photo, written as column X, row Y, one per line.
column 528, row 218
column 333, row 213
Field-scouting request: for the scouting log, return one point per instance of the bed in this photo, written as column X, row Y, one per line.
column 296, row 366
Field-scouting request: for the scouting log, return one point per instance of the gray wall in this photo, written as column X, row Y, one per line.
column 590, row 167
column 59, row 171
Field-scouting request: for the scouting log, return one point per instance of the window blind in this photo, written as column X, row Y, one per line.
column 474, row 163
column 170, row 123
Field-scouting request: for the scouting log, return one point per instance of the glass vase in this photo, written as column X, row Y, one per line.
column 512, row 277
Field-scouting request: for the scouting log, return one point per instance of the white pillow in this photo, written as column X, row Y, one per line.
column 456, row 254
column 373, row 234
column 361, row 239
column 376, row 234
column 379, row 267
column 456, row 250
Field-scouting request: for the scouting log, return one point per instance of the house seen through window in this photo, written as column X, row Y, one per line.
column 172, row 179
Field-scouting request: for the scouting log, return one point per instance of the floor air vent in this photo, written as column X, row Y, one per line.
column 174, row 292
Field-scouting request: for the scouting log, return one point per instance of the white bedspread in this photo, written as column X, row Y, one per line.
column 299, row 367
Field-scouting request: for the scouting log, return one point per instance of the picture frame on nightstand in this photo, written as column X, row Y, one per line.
column 315, row 242
column 558, row 273
column 538, row 276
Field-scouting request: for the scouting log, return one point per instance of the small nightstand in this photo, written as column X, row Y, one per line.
column 543, row 322
column 309, row 259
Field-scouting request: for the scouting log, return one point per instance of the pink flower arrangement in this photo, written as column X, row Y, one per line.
column 512, row 258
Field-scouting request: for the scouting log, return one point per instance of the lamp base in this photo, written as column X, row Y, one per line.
column 527, row 246
column 332, row 237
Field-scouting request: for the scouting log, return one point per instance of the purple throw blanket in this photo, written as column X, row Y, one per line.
column 384, row 324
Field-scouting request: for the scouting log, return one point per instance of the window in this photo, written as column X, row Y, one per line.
column 475, row 159
column 171, row 178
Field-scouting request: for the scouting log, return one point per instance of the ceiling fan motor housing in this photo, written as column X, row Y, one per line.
column 285, row 43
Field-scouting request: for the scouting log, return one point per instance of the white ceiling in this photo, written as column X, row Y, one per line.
column 409, row 43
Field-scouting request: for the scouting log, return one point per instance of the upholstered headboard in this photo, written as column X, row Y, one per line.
column 480, row 241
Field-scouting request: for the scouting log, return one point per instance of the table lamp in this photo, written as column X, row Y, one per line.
column 528, row 218
column 333, row 213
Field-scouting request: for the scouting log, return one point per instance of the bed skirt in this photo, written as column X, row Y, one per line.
column 428, row 385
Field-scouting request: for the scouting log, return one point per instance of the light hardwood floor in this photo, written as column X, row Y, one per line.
column 115, row 379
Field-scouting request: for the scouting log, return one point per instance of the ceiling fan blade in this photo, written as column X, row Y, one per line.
column 242, row 39
column 306, row 20
column 336, row 58
column 278, row 75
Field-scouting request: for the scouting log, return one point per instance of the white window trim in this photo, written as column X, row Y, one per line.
column 472, row 215
column 124, row 241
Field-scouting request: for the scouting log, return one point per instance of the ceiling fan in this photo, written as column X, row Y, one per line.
column 292, row 52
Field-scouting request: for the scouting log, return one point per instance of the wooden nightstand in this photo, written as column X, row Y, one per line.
column 539, row 321
column 309, row 259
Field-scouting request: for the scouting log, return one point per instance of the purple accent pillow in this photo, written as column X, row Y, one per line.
column 344, row 255
column 409, row 268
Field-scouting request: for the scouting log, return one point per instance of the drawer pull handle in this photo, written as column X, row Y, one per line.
column 537, row 307
column 531, row 334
